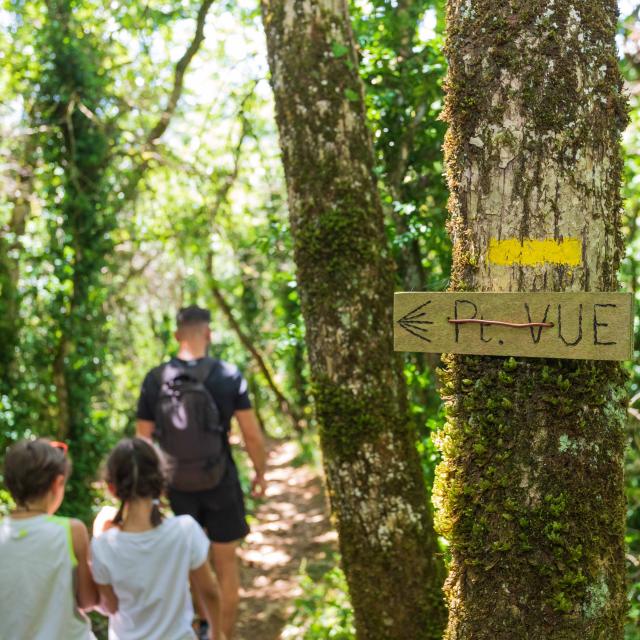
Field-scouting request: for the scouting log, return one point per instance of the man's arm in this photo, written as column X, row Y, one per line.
column 144, row 429
column 145, row 412
column 254, row 443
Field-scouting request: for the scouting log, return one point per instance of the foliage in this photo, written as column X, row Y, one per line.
column 66, row 90
column 402, row 65
column 629, row 274
column 322, row 611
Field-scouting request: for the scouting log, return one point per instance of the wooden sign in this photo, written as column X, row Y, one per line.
column 593, row 326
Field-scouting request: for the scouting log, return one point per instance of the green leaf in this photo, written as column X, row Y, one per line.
column 351, row 95
column 339, row 50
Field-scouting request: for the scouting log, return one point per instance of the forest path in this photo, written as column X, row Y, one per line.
column 292, row 525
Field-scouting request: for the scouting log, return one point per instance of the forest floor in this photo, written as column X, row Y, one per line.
column 291, row 531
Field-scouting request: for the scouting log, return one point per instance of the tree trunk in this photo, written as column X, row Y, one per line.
column 531, row 489
column 345, row 277
column 10, row 246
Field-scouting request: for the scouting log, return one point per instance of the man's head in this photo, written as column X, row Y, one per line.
column 193, row 325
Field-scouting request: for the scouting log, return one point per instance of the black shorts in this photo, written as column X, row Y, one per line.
column 219, row 511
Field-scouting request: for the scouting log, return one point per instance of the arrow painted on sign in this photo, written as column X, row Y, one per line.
column 414, row 322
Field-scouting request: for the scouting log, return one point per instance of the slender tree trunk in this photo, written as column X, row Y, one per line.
column 286, row 408
column 10, row 245
column 531, row 486
column 345, row 276
column 72, row 92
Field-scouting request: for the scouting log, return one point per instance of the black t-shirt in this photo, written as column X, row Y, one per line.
column 225, row 384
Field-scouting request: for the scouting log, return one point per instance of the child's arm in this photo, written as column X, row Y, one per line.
column 206, row 590
column 86, row 590
column 108, row 604
column 107, row 599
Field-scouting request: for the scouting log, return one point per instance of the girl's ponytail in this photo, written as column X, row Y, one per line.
column 117, row 520
column 156, row 514
column 134, row 469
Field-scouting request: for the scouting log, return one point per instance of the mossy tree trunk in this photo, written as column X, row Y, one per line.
column 345, row 279
column 530, row 491
column 20, row 189
column 71, row 88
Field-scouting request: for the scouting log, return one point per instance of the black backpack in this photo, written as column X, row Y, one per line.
column 189, row 428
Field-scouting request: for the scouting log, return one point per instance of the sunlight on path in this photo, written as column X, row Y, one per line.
column 292, row 525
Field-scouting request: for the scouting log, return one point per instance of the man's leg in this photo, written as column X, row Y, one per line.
column 227, row 526
column 225, row 562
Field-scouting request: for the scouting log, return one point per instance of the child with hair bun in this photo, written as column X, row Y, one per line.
column 142, row 562
column 45, row 579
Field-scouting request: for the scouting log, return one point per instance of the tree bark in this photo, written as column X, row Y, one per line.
column 20, row 194
column 345, row 277
column 531, row 490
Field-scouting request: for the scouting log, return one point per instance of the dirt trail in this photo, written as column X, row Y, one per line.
column 292, row 525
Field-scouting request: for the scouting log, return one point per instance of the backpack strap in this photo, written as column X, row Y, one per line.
column 202, row 370
column 157, row 374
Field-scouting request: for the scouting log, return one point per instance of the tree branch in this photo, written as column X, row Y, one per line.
column 285, row 407
column 397, row 174
column 178, row 80
column 161, row 126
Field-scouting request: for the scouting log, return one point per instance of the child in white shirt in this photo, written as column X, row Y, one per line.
column 143, row 563
column 45, row 581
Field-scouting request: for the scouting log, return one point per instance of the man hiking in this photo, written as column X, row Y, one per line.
column 186, row 405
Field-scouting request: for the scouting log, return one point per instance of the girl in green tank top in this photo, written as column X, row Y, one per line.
column 45, row 581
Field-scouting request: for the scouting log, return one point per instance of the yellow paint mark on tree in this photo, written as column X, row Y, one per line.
column 533, row 252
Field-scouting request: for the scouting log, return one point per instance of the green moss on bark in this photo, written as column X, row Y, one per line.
column 530, row 497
